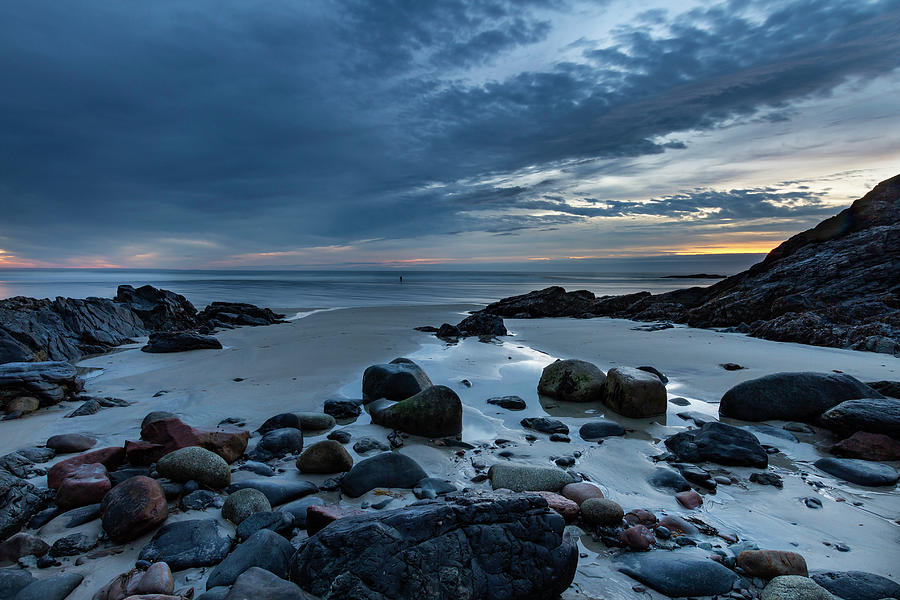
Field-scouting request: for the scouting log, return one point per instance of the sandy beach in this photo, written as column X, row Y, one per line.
column 298, row 365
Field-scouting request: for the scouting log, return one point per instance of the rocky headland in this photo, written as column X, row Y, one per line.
column 834, row 285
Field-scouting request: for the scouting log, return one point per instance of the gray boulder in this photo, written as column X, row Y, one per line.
column 436, row 411
column 259, row 584
column 387, row 470
column 278, row 492
column 12, row 580
column 327, row 456
column 197, row 464
column 522, row 478
column 508, row 402
column 34, row 384
column 857, row 585
column 860, row 472
column 719, row 443
column 677, row 576
column 634, row 393
column 264, row 549
column 398, row 380
column 597, row 430
column 572, row 381
column 55, row 587
column 791, row 396
column 187, row 544
column 314, row 421
column 19, row 501
column 794, row 587
column 874, row 415
column 180, row 341
column 243, row 503
column 279, row 443
column 482, row 325
column 479, row 547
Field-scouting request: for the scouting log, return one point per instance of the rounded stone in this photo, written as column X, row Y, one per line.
column 795, row 587
column 572, row 381
column 601, row 511
column 581, row 491
column 133, row 508
column 243, row 503
column 327, row 456
column 201, row 465
column 68, row 443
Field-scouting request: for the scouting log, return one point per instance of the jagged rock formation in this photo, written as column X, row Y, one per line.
column 834, row 285
column 69, row 328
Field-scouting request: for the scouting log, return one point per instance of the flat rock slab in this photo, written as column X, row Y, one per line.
column 858, row 471
column 522, row 478
column 679, row 576
column 857, row 585
column 187, row 544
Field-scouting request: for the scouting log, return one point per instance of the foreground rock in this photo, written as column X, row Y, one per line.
column 157, row 579
column 259, row 584
column 794, row 587
column 180, row 341
column 791, row 396
column 398, row 380
column 55, row 587
column 768, row 564
column 436, row 411
column 187, row 544
column 327, row 456
column 25, row 387
column 572, row 380
column 860, row 472
column 19, row 501
column 868, row 446
column 857, row 585
column 197, row 464
column 168, row 433
column 634, row 393
column 719, row 443
column 679, row 576
column 264, row 549
column 385, row 470
column 874, row 415
column 522, row 478
column 482, row 325
column 481, row 547
column 133, row 508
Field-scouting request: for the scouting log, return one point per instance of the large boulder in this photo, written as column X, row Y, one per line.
column 719, row 443
column 482, row 325
column 158, row 310
column 868, row 446
column 480, row 547
column 197, row 464
column 54, row 587
column 572, row 380
column 259, row 584
column 180, row 341
column 677, row 575
column 244, row 503
column 436, row 411
column 67, row 443
column 111, row 458
column 87, row 484
column 35, row 384
column 19, row 501
column 327, row 456
column 238, row 313
column 188, row 544
column 794, row 587
column 132, row 508
column 857, row 585
column 385, row 470
column 264, row 549
column 278, row 443
column 634, row 393
column 398, row 380
column 528, row 478
column 768, row 564
column 875, row 415
column 858, row 471
column 791, row 396
column 170, row 433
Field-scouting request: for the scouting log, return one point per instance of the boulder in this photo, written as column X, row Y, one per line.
column 279, row 421
column 12, row 580
column 315, row 421
column 768, row 564
column 868, row 446
column 566, row 508
column 278, row 443
column 244, row 503
column 342, row 409
column 597, row 430
column 858, row 471
column 385, row 470
column 522, row 478
column 508, row 402
column 111, row 458
column 719, row 443
column 678, row 575
column 480, row 547
column 19, row 502
column 436, row 411
column 794, row 587
column 157, row 579
column 581, row 491
column 549, row 302
column 634, row 393
column 398, row 380
column 602, row 511
column 279, row 521
column 278, row 491
column 22, row 544
column 857, row 585
column 132, row 508
column 875, row 415
column 180, row 341
column 67, row 443
column 637, row 537
column 667, row 479
column 264, row 549
column 545, row 425
column 197, row 464
column 187, row 544
column 791, row 396
column 48, row 383
column 173, row 434
column 572, row 381
column 74, row 544
column 367, row 444
column 259, row 584
column 158, row 310
column 689, row 499
column 86, row 484
column 481, row 325
column 54, row 587
column 327, row 456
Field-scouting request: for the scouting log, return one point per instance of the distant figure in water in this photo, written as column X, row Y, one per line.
column 401, row 279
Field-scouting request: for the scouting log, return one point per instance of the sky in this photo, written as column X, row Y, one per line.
column 403, row 133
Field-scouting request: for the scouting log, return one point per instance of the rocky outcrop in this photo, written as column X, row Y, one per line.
column 66, row 329
column 482, row 547
column 36, row 384
column 833, row 285
column 19, row 501
column 180, row 341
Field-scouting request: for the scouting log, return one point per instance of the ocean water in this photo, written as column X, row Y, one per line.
column 332, row 289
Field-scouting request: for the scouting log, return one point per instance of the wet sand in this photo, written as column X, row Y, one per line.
column 296, row 366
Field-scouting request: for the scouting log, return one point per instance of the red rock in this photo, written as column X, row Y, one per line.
column 640, row 516
column 637, row 538
column 132, row 508
column 581, row 491
column 143, row 453
column 173, row 434
column 85, row 484
column 769, row 564
column 110, row 458
column 689, row 499
column 22, row 544
column 678, row 525
column 157, row 579
column 317, row 517
column 568, row 509
column 868, row 446
column 67, row 443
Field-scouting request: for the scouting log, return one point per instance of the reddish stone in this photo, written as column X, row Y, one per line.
column 637, row 538
column 67, row 443
column 86, row 484
column 143, row 453
column 868, row 446
column 640, row 516
column 22, row 544
column 133, row 508
column 173, row 434
column 565, row 507
column 317, row 517
column 157, row 579
column 689, row 499
column 581, row 491
column 769, row 564
column 111, row 458
column 678, row 525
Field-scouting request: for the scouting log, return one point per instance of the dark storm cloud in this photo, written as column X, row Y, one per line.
column 260, row 125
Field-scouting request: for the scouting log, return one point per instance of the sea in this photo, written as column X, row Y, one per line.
column 357, row 288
